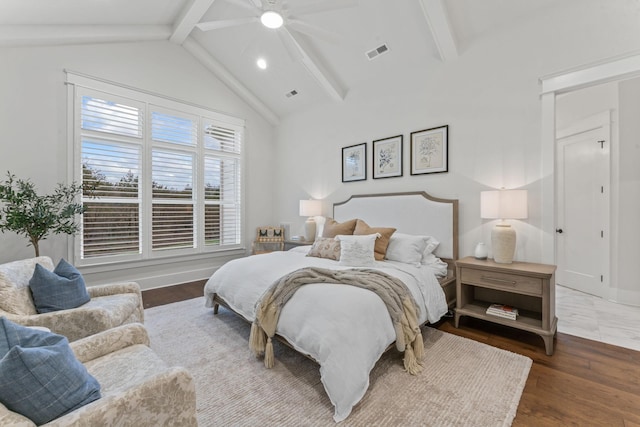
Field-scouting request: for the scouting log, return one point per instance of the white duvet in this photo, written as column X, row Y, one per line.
column 344, row 328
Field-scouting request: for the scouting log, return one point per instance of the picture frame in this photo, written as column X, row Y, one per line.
column 430, row 150
column 354, row 163
column 387, row 157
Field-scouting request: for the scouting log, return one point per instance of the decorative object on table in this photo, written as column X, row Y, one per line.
column 502, row 310
column 354, row 163
column 310, row 208
column 387, row 157
column 268, row 239
column 35, row 216
column 503, row 205
column 430, row 150
column 286, row 229
column 481, row 251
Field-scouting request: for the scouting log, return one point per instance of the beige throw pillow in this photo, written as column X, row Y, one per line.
column 332, row 227
column 325, row 247
column 382, row 243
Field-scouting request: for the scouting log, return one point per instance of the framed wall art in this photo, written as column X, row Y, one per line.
column 387, row 157
column 354, row 163
column 430, row 150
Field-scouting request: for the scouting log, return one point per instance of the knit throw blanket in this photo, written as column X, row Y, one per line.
column 395, row 294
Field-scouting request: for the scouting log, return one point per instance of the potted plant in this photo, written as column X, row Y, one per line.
column 35, row 216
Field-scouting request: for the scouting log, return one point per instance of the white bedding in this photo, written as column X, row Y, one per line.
column 314, row 319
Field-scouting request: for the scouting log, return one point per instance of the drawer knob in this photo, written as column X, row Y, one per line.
column 496, row 279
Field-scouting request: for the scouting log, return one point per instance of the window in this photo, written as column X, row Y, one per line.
column 162, row 178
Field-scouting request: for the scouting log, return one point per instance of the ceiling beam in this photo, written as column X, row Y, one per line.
column 205, row 58
column 47, row 35
column 190, row 15
column 436, row 16
column 314, row 66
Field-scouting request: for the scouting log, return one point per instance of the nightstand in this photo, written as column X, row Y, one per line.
column 529, row 287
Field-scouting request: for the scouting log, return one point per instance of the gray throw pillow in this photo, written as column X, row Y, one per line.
column 60, row 289
column 40, row 377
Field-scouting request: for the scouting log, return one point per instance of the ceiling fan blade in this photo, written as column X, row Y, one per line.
column 290, row 45
column 214, row 25
column 313, row 31
column 253, row 5
column 324, row 6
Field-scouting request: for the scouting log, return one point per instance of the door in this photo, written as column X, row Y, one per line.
column 582, row 234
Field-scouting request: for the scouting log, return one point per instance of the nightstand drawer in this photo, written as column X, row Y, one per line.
column 496, row 280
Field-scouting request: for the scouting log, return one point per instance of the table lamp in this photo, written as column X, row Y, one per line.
column 310, row 208
column 503, row 205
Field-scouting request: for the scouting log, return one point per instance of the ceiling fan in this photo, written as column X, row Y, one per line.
column 276, row 15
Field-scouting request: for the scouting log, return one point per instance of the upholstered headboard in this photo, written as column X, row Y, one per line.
column 411, row 213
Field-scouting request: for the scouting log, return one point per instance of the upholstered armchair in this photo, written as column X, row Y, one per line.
column 110, row 305
column 137, row 387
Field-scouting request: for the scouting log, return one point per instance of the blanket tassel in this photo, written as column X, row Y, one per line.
column 411, row 365
column 269, row 360
column 257, row 339
column 418, row 347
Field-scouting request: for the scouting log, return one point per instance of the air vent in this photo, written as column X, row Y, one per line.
column 377, row 51
column 292, row 93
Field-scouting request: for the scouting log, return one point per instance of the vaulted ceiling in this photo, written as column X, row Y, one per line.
column 320, row 53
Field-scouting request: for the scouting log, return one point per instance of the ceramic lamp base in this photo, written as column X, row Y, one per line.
column 310, row 230
column 503, row 242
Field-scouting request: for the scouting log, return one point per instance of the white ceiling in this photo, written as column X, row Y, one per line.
column 323, row 70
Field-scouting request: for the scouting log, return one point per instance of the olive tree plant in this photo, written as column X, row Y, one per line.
column 36, row 216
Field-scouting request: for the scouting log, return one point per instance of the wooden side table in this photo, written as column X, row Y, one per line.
column 529, row 287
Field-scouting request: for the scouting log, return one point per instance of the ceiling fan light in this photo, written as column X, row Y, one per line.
column 261, row 63
column 271, row 19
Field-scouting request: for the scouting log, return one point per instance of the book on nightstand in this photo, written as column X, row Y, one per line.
column 502, row 310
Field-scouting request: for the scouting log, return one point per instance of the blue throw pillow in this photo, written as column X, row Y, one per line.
column 40, row 376
column 60, row 289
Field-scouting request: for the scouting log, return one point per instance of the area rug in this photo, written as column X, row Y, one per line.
column 464, row 383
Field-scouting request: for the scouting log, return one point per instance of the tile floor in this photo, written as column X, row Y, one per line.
column 594, row 318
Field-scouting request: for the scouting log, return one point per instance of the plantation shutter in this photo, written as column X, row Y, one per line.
column 223, row 214
column 161, row 178
column 111, row 132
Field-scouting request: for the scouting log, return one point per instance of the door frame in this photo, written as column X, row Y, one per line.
column 602, row 121
column 612, row 69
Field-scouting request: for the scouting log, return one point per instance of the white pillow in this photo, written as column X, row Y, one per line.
column 407, row 248
column 432, row 244
column 439, row 267
column 357, row 251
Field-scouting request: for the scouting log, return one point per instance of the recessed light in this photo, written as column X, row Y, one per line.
column 271, row 19
column 261, row 63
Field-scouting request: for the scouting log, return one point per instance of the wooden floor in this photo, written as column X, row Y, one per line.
column 585, row 383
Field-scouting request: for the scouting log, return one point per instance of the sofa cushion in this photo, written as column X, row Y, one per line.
column 15, row 295
column 60, row 289
column 40, row 376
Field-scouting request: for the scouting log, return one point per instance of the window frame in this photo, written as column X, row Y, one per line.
column 79, row 85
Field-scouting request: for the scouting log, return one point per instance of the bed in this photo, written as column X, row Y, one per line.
column 313, row 321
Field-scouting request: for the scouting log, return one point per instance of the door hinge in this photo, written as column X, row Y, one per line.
column 601, row 278
column 602, row 233
column 602, row 189
column 601, row 142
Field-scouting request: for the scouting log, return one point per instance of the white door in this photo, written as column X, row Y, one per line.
column 582, row 234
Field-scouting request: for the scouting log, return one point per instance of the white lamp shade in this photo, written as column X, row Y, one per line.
column 310, row 207
column 503, row 204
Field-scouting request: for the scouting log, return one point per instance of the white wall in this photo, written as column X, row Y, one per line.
column 34, row 141
column 489, row 97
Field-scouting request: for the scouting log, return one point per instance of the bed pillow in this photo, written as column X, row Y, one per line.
column 362, row 228
column 407, row 248
column 357, row 251
column 325, row 247
column 40, row 376
column 60, row 289
column 432, row 244
column 332, row 228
